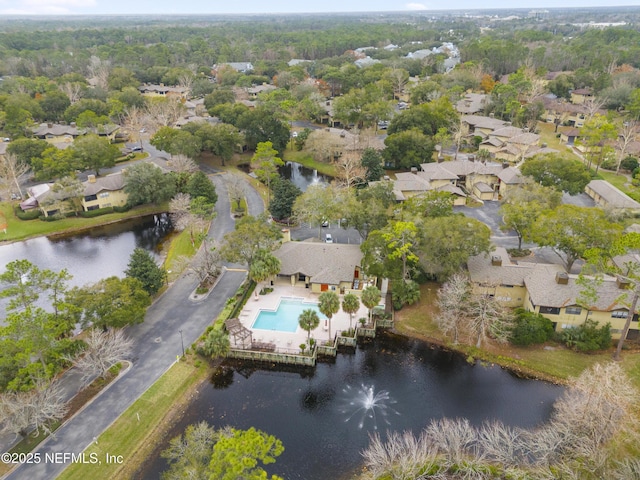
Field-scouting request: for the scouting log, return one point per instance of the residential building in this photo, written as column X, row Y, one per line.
column 608, row 196
column 57, row 134
column 472, row 103
column 322, row 267
column 162, row 90
column 548, row 290
column 103, row 192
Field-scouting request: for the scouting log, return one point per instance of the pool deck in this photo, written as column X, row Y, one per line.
column 287, row 342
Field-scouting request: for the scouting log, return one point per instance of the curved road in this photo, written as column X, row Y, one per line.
column 157, row 343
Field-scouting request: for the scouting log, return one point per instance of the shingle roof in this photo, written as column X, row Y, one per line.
column 483, row 122
column 481, row 271
column 483, row 187
column 510, row 176
column 544, row 290
column 322, row 262
column 526, row 138
column 112, row 182
column 611, row 194
column 507, row 132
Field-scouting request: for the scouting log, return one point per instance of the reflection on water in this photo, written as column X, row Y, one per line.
column 301, row 176
column 309, row 409
column 90, row 256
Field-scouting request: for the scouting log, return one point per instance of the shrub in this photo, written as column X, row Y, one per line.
column 97, row 212
column 530, row 328
column 629, row 164
column 587, row 337
column 29, row 214
column 124, row 208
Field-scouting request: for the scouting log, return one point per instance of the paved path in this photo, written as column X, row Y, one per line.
column 157, row 343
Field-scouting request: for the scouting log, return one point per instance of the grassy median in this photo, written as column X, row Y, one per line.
column 134, row 435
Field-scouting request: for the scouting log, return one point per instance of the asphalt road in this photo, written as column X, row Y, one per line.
column 157, row 343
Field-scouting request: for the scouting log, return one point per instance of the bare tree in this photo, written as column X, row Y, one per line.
column 592, row 105
column 454, row 438
column 205, row 265
column 179, row 211
column 135, row 119
column 164, row 112
column 36, row 408
column 452, row 300
column 13, row 173
column 628, row 133
column 73, row 90
column 487, row 317
column 104, row 349
column 182, row 164
column 99, row 71
column 350, row 169
column 325, row 146
column 235, row 188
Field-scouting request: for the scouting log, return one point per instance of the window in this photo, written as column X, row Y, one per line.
column 619, row 314
column 573, row 310
column 90, row 198
column 549, row 310
column 104, row 195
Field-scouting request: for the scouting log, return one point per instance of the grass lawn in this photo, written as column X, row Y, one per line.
column 180, row 246
column 554, row 363
column 307, row 160
column 22, row 229
column 140, row 428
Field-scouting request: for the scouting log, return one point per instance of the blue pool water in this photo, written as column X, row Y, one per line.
column 285, row 318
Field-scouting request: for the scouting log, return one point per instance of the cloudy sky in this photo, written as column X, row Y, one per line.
column 74, row 7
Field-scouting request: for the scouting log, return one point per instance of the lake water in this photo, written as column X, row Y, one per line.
column 320, row 414
column 92, row 255
column 301, row 176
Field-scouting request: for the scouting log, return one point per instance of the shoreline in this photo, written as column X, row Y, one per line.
column 80, row 229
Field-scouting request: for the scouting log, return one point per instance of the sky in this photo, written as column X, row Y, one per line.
column 124, row 7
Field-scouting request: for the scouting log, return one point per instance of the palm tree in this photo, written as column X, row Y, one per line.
column 264, row 265
column 217, row 344
column 329, row 305
column 350, row 305
column 308, row 320
column 370, row 298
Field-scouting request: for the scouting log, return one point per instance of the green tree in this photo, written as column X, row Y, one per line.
column 219, row 96
column 264, row 266
column 372, row 162
column 53, row 105
column 446, row 243
column 350, row 305
column 223, row 141
column 408, row 148
column 368, row 208
column 329, row 305
column 596, row 135
column 143, row 267
column 521, row 207
column 285, row 193
column 252, row 234
column 319, row 203
column 573, row 231
column 112, row 302
column 177, row 142
column 55, row 163
column 94, row 152
column 530, row 328
column 199, row 185
column 265, row 163
column 371, row 298
column 563, row 174
column 25, row 149
column 216, row 344
column 260, row 126
column 190, row 453
column 147, row 183
column 309, row 320
column 239, row 453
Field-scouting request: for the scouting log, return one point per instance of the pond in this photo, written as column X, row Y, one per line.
column 94, row 254
column 302, row 176
column 324, row 416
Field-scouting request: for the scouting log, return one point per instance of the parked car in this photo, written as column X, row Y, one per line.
column 328, row 238
column 325, row 223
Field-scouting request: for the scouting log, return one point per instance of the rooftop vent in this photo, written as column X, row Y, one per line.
column 562, row 278
column 623, row 283
column 496, row 260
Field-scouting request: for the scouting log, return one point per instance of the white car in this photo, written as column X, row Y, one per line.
column 328, row 238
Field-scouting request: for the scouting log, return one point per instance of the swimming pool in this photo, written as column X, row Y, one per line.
column 285, row 318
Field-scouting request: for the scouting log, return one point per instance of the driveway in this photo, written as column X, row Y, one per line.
column 157, row 344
